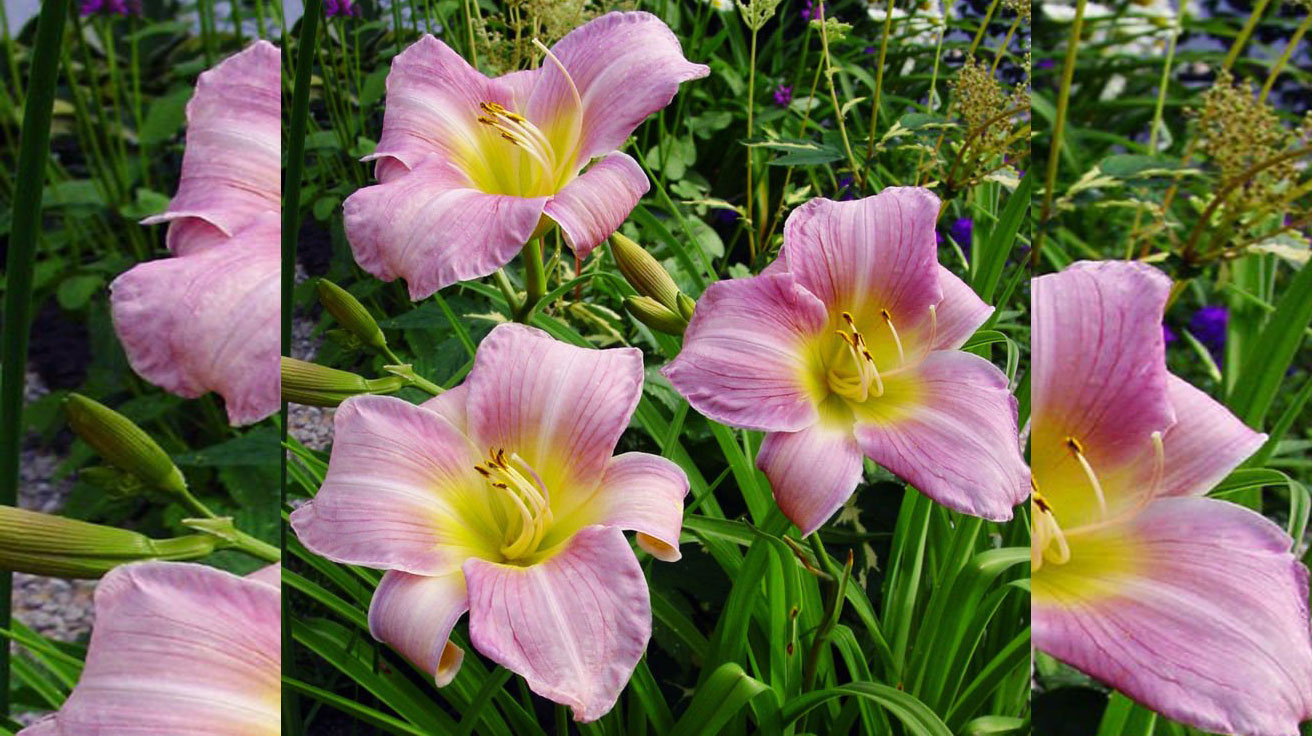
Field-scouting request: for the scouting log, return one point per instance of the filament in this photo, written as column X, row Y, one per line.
column 522, row 493
column 1077, row 450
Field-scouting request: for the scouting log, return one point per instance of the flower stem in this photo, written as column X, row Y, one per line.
column 833, row 609
column 33, row 152
column 833, row 95
column 879, row 82
column 1058, row 129
column 535, row 279
column 751, row 153
column 1244, row 33
column 507, row 290
column 1284, row 56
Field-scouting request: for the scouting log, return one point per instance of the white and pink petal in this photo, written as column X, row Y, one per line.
column 812, row 471
column 949, row 429
column 574, row 625
column 746, row 356
column 432, row 228
column 208, row 321
column 414, row 614
column 593, row 206
column 179, row 649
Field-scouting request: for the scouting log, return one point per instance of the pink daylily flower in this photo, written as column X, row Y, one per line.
column 470, row 168
column 178, row 650
column 207, row 319
column 501, row 498
column 847, row 345
column 1193, row 606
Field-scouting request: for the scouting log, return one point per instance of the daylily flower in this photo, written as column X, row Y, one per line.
column 847, row 345
column 501, row 498
column 470, row 168
column 207, row 319
column 178, row 649
column 1193, row 606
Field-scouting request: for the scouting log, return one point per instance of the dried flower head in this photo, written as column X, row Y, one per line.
column 1019, row 7
column 993, row 118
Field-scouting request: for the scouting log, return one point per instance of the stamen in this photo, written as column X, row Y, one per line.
column 522, row 491
column 1078, row 451
column 1159, row 464
column 888, row 320
column 521, row 133
column 574, row 90
column 1046, row 532
column 867, row 373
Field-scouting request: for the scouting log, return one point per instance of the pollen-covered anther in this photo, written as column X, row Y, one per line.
column 867, row 376
column 520, row 132
column 1049, row 541
column 524, row 499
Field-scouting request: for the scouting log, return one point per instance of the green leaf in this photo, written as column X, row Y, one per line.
column 917, row 717
column 75, row 291
column 256, row 447
column 165, row 117
column 719, row 699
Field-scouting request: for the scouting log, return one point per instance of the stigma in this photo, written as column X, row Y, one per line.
column 523, row 498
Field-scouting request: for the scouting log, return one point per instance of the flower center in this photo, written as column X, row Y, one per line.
column 524, row 135
column 522, row 499
column 854, row 373
column 1048, row 541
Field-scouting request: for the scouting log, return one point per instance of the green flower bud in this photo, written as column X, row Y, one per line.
column 316, row 385
column 643, row 272
column 125, row 445
column 44, row 544
column 653, row 314
column 686, row 306
column 351, row 314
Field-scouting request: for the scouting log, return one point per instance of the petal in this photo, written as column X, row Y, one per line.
column 949, row 429
column 1099, row 359
column 869, row 254
column 745, row 359
column 813, row 472
column 431, row 228
column 960, row 313
column 398, row 477
column 433, row 98
column 450, row 405
column 594, row 205
column 1195, row 608
column 208, row 321
column 574, row 625
column 561, row 407
column 625, row 66
column 232, row 164
column 179, row 649
column 270, row 575
column 414, row 614
column 1205, row 443
column 47, row 726
column 645, row 493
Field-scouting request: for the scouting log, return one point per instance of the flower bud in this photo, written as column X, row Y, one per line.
column 125, row 445
column 45, row 544
column 686, row 306
column 316, row 385
column 643, row 272
column 651, row 313
column 351, row 314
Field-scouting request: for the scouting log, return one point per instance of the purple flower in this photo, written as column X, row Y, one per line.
column 1046, row 64
column 1169, row 335
column 961, row 231
column 1208, row 325
column 806, row 11
column 344, row 8
column 845, row 189
column 783, row 94
column 111, row 7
